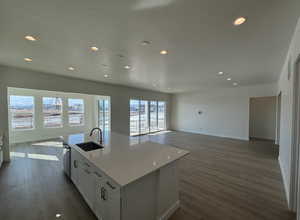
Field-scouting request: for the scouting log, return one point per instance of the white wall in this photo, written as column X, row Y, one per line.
column 285, row 86
column 263, row 117
column 225, row 112
column 42, row 133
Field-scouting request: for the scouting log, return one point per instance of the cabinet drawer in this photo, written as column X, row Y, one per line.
column 106, row 180
column 111, row 186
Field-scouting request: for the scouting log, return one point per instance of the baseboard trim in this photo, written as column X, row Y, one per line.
column 170, row 211
column 262, row 139
column 214, row 135
column 285, row 184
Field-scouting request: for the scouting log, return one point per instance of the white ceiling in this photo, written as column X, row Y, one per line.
column 198, row 34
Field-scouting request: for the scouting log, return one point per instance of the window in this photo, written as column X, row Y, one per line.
column 22, row 112
column 134, row 117
column 147, row 116
column 161, row 115
column 104, row 114
column 52, row 111
column 76, row 112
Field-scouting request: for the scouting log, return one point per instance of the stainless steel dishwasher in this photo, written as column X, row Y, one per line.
column 67, row 160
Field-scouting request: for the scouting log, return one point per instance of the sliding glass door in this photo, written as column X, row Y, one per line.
column 161, row 115
column 134, row 117
column 144, row 117
column 153, row 116
column 147, row 116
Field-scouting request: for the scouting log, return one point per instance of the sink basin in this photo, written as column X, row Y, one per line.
column 89, row 146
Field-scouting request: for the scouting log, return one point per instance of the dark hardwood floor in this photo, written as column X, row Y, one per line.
column 222, row 179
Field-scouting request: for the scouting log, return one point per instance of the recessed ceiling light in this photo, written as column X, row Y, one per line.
column 30, row 38
column 106, row 75
column 228, row 79
column 145, row 43
column 221, row 73
column 164, row 52
column 127, row 67
column 27, row 59
column 235, row 84
column 239, row 21
column 58, row 215
column 71, row 68
column 94, row 48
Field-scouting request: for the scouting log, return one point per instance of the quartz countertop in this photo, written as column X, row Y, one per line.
column 125, row 159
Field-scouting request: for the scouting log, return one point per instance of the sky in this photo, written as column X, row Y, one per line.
column 75, row 101
column 21, row 100
column 29, row 100
column 53, row 101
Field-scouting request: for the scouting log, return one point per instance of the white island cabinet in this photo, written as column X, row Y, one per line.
column 127, row 179
column 1, row 150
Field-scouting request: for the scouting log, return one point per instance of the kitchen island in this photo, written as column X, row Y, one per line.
column 127, row 179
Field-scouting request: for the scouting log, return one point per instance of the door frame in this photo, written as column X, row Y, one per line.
column 278, row 117
column 294, row 197
column 102, row 99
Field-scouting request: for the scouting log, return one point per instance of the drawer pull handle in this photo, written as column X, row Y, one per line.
column 111, row 186
column 103, row 194
column 97, row 174
column 75, row 163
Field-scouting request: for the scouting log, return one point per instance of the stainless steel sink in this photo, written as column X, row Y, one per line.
column 89, row 146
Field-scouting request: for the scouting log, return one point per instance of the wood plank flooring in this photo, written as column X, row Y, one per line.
column 222, row 179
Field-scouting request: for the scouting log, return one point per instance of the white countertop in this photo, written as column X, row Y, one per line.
column 125, row 159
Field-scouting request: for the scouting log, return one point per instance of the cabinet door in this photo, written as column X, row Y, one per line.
column 80, row 180
column 108, row 204
column 111, row 201
column 1, row 157
column 98, row 205
column 86, row 183
column 74, row 167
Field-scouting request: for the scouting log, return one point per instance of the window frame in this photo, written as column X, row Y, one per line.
column 138, row 100
column 156, row 112
column 62, row 113
column 165, row 115
column 68, row 111
column 101, row 102
column 33, row 115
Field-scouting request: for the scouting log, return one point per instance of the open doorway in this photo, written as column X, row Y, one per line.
column 262, row 124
